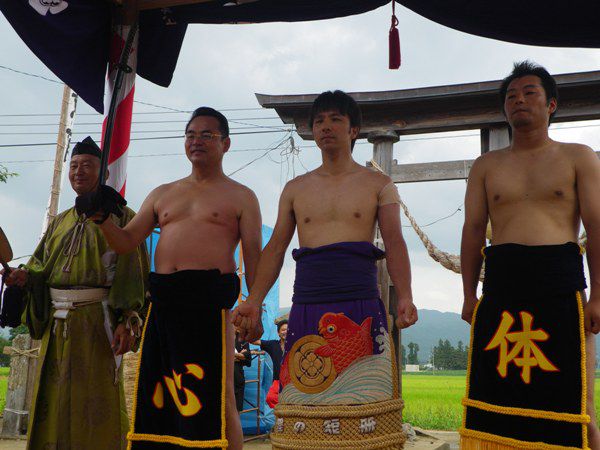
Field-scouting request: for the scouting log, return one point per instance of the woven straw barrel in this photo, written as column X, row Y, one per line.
column 309, row 427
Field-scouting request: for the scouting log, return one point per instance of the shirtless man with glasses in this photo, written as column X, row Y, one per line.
column 202, row 218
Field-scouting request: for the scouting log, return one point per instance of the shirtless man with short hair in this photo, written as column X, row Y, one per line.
column 335, row 209
column 535, row 192
column 202, row 218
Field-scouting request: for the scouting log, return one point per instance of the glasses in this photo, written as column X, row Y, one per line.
column 205, row 136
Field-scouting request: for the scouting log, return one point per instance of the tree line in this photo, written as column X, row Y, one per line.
column 443, row 357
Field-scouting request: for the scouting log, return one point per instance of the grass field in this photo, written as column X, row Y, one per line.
column 433, row 401
column 3, row 386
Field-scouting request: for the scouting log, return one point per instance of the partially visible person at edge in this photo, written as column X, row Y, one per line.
column 336, row 305
column 82, row 301
column 274, row 348
column 202, row 218
column 535, row 192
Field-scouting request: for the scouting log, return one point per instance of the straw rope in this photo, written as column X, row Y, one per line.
column 338, row 411
column 30, row 353
column 370, row 426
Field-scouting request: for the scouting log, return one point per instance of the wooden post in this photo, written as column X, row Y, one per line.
column 383, row 145
column 16, row 409
column 23, row 369
column 494, row 138
column 67, row 117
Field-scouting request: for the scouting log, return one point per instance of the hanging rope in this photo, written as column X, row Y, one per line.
column 448, row 260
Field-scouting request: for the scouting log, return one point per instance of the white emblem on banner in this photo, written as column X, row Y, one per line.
column 43, row 6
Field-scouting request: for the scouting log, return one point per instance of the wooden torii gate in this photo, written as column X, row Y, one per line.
column 389, row 115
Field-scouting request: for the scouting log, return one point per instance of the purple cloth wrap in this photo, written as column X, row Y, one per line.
column 335, row 278
column 336, row 273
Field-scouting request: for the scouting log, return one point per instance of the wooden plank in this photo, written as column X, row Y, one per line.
column 442, row 108
column 565, row 82
column 439, row 121
column 433, row 171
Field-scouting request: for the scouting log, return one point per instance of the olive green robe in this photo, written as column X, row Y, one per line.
column 78, row 401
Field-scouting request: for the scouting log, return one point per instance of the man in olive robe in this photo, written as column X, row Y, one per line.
column 82, row 301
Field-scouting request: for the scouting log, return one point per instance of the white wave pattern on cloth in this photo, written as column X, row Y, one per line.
column 366, row 380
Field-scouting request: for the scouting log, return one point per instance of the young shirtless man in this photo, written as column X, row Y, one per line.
column 535, row 192
column 202, row 218
column 337, row 324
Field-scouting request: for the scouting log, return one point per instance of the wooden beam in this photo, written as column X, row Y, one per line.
column 433, row 171
column 442, row 108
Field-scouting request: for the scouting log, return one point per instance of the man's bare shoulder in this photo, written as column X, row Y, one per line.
column 575, row 150
column 164, row 189
column 239, row 189
column 374, row 177
column 297, row 183
column 489, row 160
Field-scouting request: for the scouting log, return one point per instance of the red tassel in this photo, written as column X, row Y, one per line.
column 394, row 40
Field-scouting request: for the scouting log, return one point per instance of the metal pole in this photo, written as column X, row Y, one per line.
column 122, row 68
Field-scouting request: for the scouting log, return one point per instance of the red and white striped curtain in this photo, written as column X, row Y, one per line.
column 117, row 159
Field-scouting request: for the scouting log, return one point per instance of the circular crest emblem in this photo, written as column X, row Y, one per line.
column 309, row 372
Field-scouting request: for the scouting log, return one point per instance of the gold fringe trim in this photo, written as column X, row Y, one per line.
column 478, row 440
column 583, row 367
column 524, row 412
column 137, row 380
column 224, row 378
column 469, row 358
column 217, row 443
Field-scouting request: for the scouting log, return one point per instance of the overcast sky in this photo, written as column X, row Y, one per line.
column 224, row 66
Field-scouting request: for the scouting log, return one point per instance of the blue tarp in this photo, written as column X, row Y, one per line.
column 266, row 418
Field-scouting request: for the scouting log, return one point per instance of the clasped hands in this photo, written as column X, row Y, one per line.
column 247, row 320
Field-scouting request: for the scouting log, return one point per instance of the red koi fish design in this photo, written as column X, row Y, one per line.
column 346, row 340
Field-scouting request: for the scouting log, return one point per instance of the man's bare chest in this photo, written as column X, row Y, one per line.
column 205, row 208
column 333, row 205
column 548, row 182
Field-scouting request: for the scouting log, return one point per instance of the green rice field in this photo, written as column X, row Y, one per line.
column 3, row 386
column 432, row 401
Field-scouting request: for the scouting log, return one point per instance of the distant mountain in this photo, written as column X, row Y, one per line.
column 433, row 326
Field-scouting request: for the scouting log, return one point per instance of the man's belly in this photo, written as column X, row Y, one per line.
column 194, row 251
column 533, row 228
column 324, row 234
